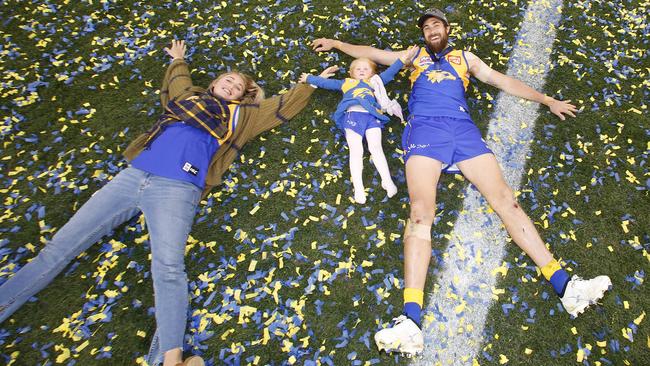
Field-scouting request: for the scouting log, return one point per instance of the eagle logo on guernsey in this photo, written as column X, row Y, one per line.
column 454, row 59
column 437, row 76
column 362, row 93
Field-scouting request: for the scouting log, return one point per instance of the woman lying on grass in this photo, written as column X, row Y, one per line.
column 184, row 155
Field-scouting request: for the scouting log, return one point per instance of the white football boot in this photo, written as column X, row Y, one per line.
column 404, row 336
column 579, row 293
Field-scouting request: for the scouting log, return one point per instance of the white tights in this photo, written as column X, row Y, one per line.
column 355, row 144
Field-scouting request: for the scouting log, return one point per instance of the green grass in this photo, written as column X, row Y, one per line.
column 313, row 171
column 587, row 230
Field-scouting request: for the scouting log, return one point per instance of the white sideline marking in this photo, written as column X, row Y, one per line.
column 463, row 294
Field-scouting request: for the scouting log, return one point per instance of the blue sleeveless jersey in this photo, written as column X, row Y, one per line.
column 438, row 84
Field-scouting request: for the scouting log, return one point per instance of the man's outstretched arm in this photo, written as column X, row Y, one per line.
column 382, row 57
column 516, row 87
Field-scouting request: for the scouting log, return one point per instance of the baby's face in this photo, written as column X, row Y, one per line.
column 361, row 70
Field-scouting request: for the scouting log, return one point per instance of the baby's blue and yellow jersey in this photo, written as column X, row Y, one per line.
column 439, row 84
column 357, row 92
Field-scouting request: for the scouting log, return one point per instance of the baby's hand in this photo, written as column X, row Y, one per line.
column 408, row 55
column 303, row 78
column 329, row 72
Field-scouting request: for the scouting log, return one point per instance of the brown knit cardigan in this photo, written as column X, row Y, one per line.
column 253, row 120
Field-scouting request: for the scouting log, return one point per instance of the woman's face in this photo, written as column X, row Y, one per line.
column 228, row 87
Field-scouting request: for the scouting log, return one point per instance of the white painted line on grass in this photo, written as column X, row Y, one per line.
column 457, row 308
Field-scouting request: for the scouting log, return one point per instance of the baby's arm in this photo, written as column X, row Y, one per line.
column 329, row 84
column 405, row 59
column 323, row 80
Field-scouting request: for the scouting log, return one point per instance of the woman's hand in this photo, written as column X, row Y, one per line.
column 177, row 50
column 408, row 55
column 329, row 72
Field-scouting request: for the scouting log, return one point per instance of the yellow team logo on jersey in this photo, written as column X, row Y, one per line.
column 437, row 76
column 362, row 93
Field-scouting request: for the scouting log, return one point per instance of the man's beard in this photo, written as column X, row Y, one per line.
column 439, row 45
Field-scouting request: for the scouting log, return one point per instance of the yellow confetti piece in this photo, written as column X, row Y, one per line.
column 574, row 331
column 580, row 356
column 528, row 351
column 624, row 226
column 639, row 319
column 626, row 333
column 111, row 293
column 81, row 347
column 252, row 212
column 14, row 356
column 96, row 317
column 503, row 359
column 251, row 266
column 503, row 270
column 459, row 309
column 65, row 353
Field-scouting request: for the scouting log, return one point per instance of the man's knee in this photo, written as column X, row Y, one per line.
column 422, row 213
column 417, row 230
column 504, row 200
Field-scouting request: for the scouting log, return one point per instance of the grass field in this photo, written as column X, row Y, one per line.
column 284, row 268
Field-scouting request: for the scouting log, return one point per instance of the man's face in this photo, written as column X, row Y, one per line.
column 435, row 34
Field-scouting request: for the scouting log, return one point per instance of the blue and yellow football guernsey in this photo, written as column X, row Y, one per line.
column 357, row 92
column 439, row 83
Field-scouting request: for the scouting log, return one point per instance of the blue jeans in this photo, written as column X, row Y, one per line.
column 169, row 207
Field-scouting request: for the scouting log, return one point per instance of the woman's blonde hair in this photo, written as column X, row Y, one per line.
column 370, row 62
column 253, row 93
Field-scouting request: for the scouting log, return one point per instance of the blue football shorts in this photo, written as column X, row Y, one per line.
column 359, row 122
column 446, row 139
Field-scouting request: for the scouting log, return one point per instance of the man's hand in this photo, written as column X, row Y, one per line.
column 329, row 72
column 177, row 51
column 324, row 44
column 407, row 57
column 561, row 107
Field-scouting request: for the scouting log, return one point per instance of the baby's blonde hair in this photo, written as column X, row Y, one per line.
column 253, row 93
column 370, row 62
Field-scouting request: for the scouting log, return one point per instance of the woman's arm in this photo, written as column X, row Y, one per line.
column 177, row 79
column 274, row 111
